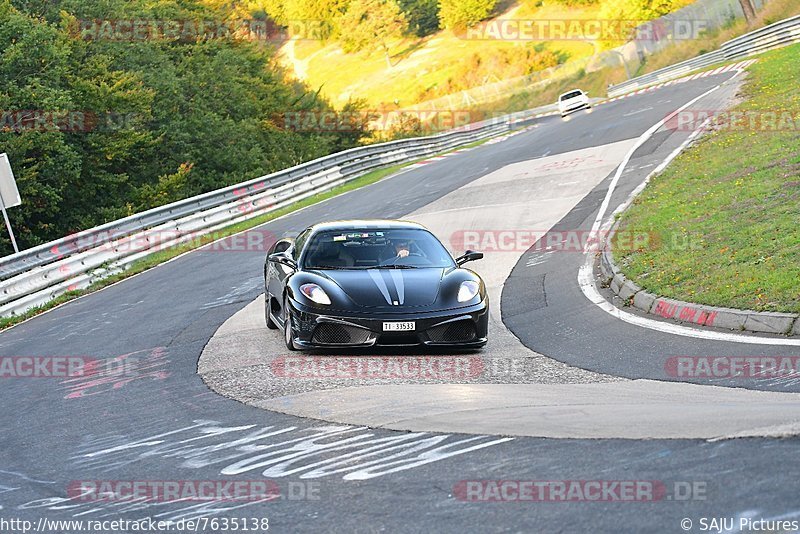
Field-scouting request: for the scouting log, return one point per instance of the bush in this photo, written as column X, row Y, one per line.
column 573, row 3
column 422, row 16
column 460, row 14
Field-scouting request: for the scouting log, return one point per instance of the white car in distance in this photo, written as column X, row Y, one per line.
column 572, row 101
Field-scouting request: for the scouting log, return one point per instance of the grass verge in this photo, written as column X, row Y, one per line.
column 167, row 254
column 727, row 209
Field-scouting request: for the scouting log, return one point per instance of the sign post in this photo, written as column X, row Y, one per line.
column 9, row 194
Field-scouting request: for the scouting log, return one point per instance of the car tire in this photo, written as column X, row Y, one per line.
column 267, row 317
column 288, row 337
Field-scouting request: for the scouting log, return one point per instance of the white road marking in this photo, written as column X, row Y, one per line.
column 636, row 112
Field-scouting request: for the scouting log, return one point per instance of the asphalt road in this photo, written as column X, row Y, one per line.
column 156, row 421
column 588, row 337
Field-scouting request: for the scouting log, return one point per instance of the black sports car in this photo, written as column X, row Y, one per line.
column 368, row 283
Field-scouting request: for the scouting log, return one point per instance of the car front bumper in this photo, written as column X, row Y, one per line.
column 572, row 108
column 465, row 327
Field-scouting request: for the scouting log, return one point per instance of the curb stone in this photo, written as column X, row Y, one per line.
column 616, row 283
column 696, row 314
column 628, row 290
column 643, row 301
column 775, row 323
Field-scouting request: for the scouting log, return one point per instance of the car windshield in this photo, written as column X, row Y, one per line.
column 571, row 94
column 371, row 249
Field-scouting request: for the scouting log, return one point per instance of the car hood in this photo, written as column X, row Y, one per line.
column 388, row 288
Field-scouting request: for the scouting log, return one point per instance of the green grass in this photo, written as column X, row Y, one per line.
column 167, row 254
column 735, row 198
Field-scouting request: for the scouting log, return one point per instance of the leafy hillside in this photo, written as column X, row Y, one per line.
column 98, row 127
column 412, row 62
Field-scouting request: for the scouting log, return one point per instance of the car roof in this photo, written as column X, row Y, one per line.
column 361, row 224
column 568, row 92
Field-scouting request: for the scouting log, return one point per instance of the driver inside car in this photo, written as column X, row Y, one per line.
column 401, row 248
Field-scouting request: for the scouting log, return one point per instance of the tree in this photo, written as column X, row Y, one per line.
column 274, row 9
column 460, row 14
column 369, row 24
column 422, row 16
column 637, row 10
column 325, row 12
column 573, row 3
column 633, row 10
column 155, row 119
column 747, row 9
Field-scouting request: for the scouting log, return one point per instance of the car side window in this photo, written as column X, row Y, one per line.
column 282, row 246
column 299, row 243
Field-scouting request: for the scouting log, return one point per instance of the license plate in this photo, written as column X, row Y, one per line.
column 399, row 327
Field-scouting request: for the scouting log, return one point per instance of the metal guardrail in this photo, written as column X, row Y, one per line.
column 782, row 33
column 35, row 276
column 42, row 254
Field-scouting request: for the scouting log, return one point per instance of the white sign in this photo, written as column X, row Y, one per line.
column 8, row 186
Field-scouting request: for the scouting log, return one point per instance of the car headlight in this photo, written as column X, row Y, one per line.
column 468, row 290
column 315, row 293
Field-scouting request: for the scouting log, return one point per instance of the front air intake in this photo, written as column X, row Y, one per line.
column 455, row 332
column 339, row 334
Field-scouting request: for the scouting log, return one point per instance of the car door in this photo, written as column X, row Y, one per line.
column 274, row 272
column 281, row 271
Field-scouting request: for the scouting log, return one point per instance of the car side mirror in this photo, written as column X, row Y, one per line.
column 283, row 258
column 282, row 244
column 469, row 255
